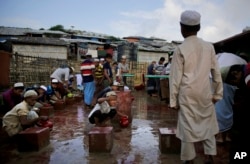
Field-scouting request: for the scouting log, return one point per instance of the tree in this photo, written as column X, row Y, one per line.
column 57, row 28
column 113, row 39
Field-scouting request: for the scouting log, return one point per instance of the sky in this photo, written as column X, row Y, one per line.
column 220, row 19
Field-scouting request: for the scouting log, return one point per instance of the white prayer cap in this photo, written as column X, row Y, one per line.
column 30, row 93
column 102, row 59
column 124, row 57
column 115, row 83
column 54, row 81
column 190, row 18
column 126, row 88
column 96, row 60
column 19, row 84
column 110, row 93
column 73, row 69
column 43, row 87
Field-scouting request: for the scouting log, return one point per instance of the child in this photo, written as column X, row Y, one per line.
column 21, row 116
column 104, row 110
column 12, row 97
column 42, row 97
column 53, row 94
column 102, row 93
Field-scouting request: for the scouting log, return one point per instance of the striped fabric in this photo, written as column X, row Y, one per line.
column 86, row 67
column 99, row 71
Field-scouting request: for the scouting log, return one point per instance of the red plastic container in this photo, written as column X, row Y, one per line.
column 124, row 122
column 45, row 124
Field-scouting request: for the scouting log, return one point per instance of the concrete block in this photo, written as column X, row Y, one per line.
column 101, row 139
column 33, row 139
column 168, row 142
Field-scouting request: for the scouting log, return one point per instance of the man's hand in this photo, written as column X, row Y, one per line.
column 214, row 100
column 174, row 108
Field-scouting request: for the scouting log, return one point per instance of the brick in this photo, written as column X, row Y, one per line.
column 101, row 139
column 70, row 101
column 46, row 111
column 168, row 142
column 59, row 105
column 33, row 139
column 78, row 98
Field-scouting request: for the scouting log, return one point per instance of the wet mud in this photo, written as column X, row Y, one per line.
column 136, row 144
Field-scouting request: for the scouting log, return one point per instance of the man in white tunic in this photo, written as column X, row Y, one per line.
column 190, row 89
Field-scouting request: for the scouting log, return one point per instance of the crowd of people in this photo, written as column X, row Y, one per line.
column 210, row 91
column 159, row 86
column 96, row 82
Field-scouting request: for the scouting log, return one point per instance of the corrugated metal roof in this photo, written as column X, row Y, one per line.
column 14, row 31
column 155, row 46
column 39, row 40
column 48, row 32
column 90, row 35
column 239, row 42
column 82, row 40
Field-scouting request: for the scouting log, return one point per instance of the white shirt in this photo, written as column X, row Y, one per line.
column 61, row 74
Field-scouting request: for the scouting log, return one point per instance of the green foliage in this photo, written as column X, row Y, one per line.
column 57, row 28
column 112, row 38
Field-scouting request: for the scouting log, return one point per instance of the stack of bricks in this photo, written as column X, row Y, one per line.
column 78, row 98
column 59, row 105
column 46, row 111
column 33, row 139
column 101, row 139
column 69, row 100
